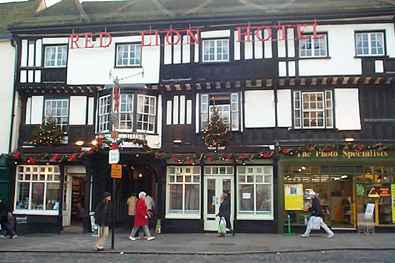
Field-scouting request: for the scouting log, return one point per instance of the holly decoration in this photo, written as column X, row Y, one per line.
column 217, row 134
column 47, row 134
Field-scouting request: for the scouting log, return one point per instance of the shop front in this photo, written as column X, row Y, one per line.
column 347, row 183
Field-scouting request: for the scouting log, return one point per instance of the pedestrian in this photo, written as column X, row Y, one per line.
column 103, row 217
column 131, row 203
column 7, row 221
column 149, row 202
column 316, row 217
column 141, row 218
column 224, row 211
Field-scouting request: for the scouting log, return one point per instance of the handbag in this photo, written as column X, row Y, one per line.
column 222, row 225
column 315, row 222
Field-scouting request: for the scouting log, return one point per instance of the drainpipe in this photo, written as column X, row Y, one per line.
column 16, row 59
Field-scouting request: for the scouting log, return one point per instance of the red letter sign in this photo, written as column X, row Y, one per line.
column 88, row 40
column 73, row 39
column 104, row 35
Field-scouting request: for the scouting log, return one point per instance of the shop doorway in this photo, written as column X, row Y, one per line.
column 217, row 180
column 74, row 202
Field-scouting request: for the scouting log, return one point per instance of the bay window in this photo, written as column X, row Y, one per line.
column 227, row 106
column 313, row 109
column 57, row 111
column 255, row 192
column 369, row 44
column 146, row 113
column 37, row 189
column 104, row 113
column 183, row 192
column 126, row 112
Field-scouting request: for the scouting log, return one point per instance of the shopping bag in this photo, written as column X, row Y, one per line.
column 315, row 222
column 222, row 225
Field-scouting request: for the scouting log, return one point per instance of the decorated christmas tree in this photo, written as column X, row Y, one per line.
column 47, row 134
column 217, row 134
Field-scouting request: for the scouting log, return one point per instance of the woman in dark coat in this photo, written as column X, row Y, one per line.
column 103, row 218
column 224, row 211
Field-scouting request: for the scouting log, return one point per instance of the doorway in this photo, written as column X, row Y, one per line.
column 217, row 180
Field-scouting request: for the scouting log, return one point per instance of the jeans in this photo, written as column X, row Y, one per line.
column 323, row 225
column 145, row 228
column 103, row 235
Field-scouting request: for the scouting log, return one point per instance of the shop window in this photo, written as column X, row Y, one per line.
column 126, row 112
column 55, row 56
column 146, row 113
column 57, row 111
column 104, row 113
column 37, row 190
column 183, row 192
column 369, row 44
column 128, row 55
column 215, row 50
column 311, row 46
column 255, row 192
column 227, row 106
column 313, row 110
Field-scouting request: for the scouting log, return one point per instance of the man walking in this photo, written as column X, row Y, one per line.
column 103, row 217
column 316, row 217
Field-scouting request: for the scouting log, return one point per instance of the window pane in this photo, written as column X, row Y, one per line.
column 37, row 196
column 192, row 197
column 23, row 196
column 263, row 197
column 52, row 196
column 175, row 201
column 246, row 197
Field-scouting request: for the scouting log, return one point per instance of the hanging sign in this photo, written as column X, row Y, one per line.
column 393, row 202
column 373, row 193
column 384, row 191
column 293, row 197
column 116, row 171
column 113, row 156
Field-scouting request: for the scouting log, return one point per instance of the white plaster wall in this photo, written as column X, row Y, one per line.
column 93, row 65
column 7, row 69
column 341, row 50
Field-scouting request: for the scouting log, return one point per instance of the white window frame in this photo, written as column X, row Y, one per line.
column 127, row 98
column 233, row 115
column 370, row 48
column 321, row 38
column 52, row 175
column 151, row 114
column 60, row 59
column 171, row 178
column 55, row 104
column 103, row 116
column 217, row 57
column 130, row 58
column 266, row 170
column 327, row 109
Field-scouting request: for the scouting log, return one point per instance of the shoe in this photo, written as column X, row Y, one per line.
column 331, row 236
column 99, row 249
column 2, row 236
column 304, row 235
column 14, row 237
column 150, row 238
column 221, row 235
column 132, row 238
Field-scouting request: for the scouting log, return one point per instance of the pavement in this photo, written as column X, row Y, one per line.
column 201, row 244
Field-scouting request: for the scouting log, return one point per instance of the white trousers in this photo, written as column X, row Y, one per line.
column 323, row 225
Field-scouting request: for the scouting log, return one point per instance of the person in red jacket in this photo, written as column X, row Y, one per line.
column 141, row 218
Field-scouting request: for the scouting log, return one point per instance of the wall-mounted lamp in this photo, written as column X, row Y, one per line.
column 350, row 139
column 79, row 143
column 177, row 141
column 94, row 142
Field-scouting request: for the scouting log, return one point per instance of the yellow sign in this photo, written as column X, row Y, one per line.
column 393, row 202
column 293, row 197
column 116, row 171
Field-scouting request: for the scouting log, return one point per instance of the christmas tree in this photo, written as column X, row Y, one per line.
column 217, row 134
column 47, row 134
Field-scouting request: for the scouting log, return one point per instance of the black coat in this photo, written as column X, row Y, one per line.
column 103, row 214
column 224, row 209
column 3, row 213
column 315, row 208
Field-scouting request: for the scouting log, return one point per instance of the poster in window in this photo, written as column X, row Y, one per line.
column 293, row 196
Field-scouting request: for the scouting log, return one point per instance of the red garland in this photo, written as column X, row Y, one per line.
column 72, row 157
column 266, row 154
column 55, row 158
column 31, row 160
column 17, row 155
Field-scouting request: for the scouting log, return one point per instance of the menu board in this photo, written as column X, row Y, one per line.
column 293, row 197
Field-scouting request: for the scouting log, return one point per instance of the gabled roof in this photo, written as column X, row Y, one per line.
column 70, row 12
column 13, row 12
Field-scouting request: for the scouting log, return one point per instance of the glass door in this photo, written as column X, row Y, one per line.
column 67, row 190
